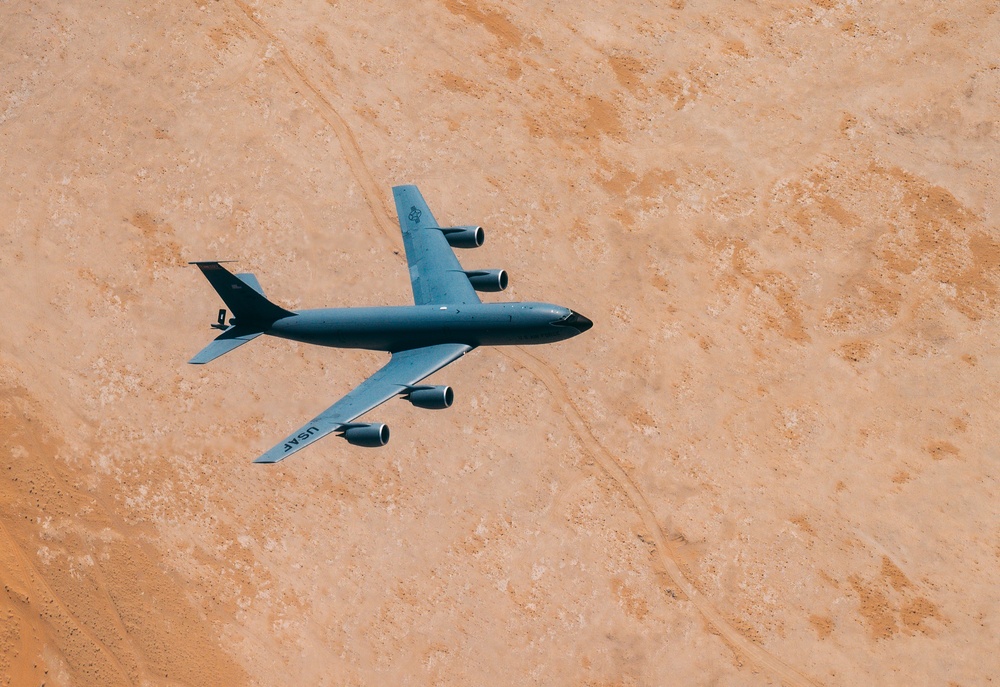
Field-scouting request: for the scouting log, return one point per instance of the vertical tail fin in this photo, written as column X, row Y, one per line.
column 243, row 295
column 253, row 313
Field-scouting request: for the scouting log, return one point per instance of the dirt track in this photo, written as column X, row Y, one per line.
column 772, row 461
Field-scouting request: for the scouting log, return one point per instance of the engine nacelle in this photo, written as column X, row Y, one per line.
column 431, row 397
column 488, row 280
column 370, row 436
column 464, row 237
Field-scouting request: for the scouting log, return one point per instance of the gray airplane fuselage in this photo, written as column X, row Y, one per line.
column 447, row 320
column 394, row 328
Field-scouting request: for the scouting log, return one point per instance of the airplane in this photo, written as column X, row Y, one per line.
column 446, row 321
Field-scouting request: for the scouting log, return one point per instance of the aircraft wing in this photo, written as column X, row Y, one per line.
column 403, row 370
column 435, row 273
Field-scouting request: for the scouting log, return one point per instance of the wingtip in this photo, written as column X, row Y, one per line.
column 404, row 188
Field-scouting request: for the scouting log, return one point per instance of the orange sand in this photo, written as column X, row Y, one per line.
column 772, row 461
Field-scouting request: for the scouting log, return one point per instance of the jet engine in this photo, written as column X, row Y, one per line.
column 431, row 397
column 464, row 237
column 488, row 280
column 370, row 436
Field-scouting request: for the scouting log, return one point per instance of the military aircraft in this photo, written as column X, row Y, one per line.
column 447, row 321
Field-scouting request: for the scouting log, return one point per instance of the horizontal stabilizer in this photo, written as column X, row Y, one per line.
column 234, row 337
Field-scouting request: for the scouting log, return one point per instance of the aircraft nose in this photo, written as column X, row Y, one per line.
column 578, row 322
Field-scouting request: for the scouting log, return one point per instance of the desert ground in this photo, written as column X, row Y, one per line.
column 773, row 461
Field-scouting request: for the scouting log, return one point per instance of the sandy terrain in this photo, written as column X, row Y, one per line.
column 773, row 461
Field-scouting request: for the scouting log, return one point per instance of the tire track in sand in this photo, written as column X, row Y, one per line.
column 668, row 557
column 328, row 113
